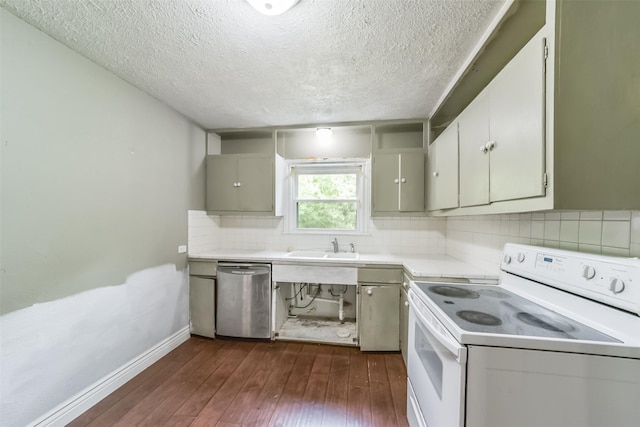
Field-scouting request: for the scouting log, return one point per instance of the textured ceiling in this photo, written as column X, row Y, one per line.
column 224, row 65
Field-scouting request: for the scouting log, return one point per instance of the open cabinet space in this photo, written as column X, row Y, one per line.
column 313, row 312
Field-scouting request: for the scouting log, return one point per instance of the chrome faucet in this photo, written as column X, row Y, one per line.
column 334, row 242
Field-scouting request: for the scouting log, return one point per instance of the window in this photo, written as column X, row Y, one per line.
column 328, row 197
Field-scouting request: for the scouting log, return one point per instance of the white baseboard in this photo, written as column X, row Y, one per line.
column 81, row 402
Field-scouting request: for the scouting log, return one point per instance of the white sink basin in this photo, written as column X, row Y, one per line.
column 323, row 255
column 342, row 255
column 306, row 254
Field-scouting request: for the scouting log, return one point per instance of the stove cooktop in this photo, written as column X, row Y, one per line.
column 491, row 309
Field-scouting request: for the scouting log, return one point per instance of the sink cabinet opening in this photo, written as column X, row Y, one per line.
column 314, row 312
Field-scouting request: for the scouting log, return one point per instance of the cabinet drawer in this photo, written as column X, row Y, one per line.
column 203, row 268
column 380, row 275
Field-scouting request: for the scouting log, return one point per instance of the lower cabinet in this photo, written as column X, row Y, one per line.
column 379, row 317
column 404, row 319
column 202, row 305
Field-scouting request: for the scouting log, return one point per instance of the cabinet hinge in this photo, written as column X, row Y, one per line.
column 545, row 180
column 545, row 55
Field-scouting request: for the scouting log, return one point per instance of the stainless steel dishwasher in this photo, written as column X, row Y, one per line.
column 243, row 303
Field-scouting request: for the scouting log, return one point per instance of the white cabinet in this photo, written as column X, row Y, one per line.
column 473, row 133
column 502, row 133
column 443, row 170
column 549, row 126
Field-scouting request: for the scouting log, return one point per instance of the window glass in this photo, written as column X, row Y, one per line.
column 327, row 197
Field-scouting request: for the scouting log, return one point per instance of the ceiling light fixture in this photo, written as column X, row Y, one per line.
column 324, row 134
column 272, row 7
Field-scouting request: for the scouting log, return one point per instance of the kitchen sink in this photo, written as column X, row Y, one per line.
column 342, row 255
column 323, row 255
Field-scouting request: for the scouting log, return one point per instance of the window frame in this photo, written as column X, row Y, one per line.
column 334, row 166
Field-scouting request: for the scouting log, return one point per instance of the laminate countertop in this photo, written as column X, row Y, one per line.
column 424, row 266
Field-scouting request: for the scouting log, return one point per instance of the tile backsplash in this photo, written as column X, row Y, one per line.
column 479, row 239
column 406, row 235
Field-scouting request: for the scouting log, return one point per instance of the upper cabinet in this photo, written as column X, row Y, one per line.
column 398, row 183
column 545, row 112
column 398, row 170
column 502, row 133
column 240, row 182
column 443, row 170
column 242, row 178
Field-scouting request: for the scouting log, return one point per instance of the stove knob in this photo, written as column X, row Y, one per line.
column 507, row 259
column 520, row 257
column 616, row 285
column 588, row 272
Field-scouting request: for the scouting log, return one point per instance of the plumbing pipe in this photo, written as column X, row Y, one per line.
column 341, row 308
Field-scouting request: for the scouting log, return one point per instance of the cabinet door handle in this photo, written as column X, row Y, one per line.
column 484, row 149
column 369, row 291
column 239, row 184
column 235, row 184
column 435, row 174
column 403, row 180
column 490, row 145
column 406, row 303
column 396, row 180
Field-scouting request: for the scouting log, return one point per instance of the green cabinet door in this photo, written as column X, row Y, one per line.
column 255, row 184
column 222, row 194
column 240, row 183
column 385, row 182
column 398, row 182
column 379, row 319
column 412, row 182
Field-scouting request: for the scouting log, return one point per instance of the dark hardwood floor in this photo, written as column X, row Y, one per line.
column 207, row 382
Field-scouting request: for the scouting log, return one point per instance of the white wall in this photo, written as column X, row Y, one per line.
column 407, row 235
column 479, row 239
column 97, row 179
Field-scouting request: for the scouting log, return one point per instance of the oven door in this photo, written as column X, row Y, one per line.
column 436, row 368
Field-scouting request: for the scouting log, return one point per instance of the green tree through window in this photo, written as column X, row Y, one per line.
column 327, row 201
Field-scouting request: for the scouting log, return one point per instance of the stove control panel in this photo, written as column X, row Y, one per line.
column 611, row 280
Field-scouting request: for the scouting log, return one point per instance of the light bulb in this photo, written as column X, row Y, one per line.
column 272, row 7
column 324, row 134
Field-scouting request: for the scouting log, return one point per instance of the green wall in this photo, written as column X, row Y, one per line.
column 97, row 176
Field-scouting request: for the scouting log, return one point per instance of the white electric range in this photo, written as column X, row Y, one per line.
column 555, row 343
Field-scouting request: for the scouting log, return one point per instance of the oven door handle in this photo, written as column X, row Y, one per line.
column 437, row 330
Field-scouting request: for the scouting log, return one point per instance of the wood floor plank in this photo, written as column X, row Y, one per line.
column 225, row 362
column 359, row 400
column 218, row 404
column 110, row 416
column 247, row 398
column 382, row 408
column 334, row 413
column 98, row 409
column 398, row 384
column 163, row 401
column 238, row 383
column 314, row 395
column 287, row 410
column 268, row 400
column 179, row 421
